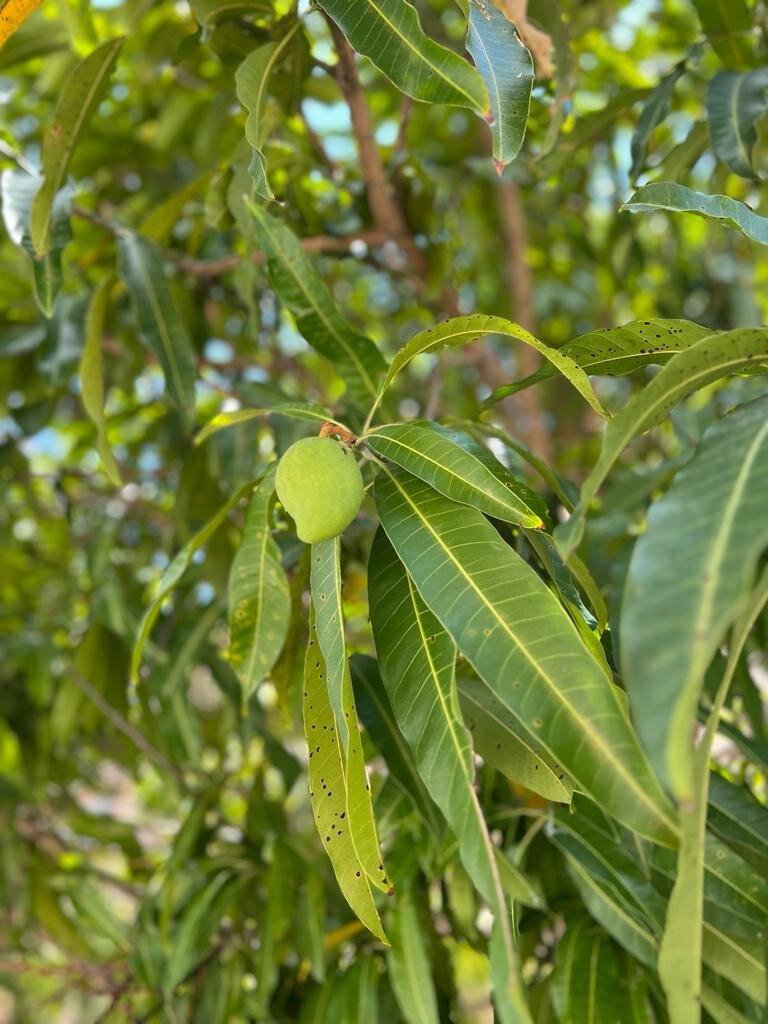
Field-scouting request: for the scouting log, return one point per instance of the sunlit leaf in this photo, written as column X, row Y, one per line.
column 417, row 657
column 294, row 410
column 13, row 13
column 455, row 471
column 516, row 635
column 389, row 33
column 507, row 69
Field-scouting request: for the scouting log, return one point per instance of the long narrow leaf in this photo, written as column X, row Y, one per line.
column 297, row 283
column 325, row 579
column 518, row 638
column 77, row 102
column 689, row 575
column 92, row 378
column 451, row 469
column 666, row 195
column 158, row 318
column 507, row 69
column 389, row 33
column 734, row 103
column 416, row 657
column 327, row 789
column 259, row 599
column 709, row 359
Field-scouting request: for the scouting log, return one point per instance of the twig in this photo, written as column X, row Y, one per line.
column 123, row 725
column 520, row 285
column 205, row 269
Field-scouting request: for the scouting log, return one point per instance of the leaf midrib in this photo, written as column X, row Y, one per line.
column 583, row 723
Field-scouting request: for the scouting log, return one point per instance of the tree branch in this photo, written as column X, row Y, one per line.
column 520, row 284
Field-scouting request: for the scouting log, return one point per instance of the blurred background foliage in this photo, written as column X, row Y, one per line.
column 158, row 858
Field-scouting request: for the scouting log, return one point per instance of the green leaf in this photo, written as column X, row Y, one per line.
column 739, row 820
column 709, row 359
column 408, row 966
column 507, row 69
column 176, row 570
column 690, row 572
column 356, row 358
column 380, row 724
column 665, row 195
column 312, row 923
column 655, row 109
column 614, row 351
column 416, row 658
column 325, row 580
column 504, row 744
column 200, row 919
column 259, row 600
column 158, row 319
column 294, row 410
column 209, row 12
column 79, row 98
column 436, row 458
column 388, row 32
column 18, row 191
column 462, row 330
column 327, row 789
column 734, row 103
column 585, row 981
column 251, row 83
column 517, row 637
column 92, row 378
column 728, row 26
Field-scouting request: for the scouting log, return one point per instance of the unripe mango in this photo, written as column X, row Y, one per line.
column 320, row 486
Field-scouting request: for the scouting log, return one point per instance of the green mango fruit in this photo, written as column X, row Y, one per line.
column 320, row 485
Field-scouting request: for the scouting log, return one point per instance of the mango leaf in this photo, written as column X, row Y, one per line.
column 655, row 109
column 356, row 358
column 79, row 98
column 388, row 32
column 409, row 969
column 209, row 12
column 251, row 83
column 728, row 27
column 462, row 330
column 507, row 69
column 92, row 378
column 416, row 658
column 13, row 13
column 739, row 820
column 200, row 919
column 520, row 641
column 18, row 191
column 158, row 319
column 380, row 724
column 451, row 469
column 614, row 351
column 325, row 581
column 585, row 981
column 176, row 569
column 500, row 740
column 666, row 195
column 709, row 359
column 294, row 410
column 259, row 600
column 274, row 922
column 327, row 788
column 312, row 924
column 734, row 103
column 690, row 572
